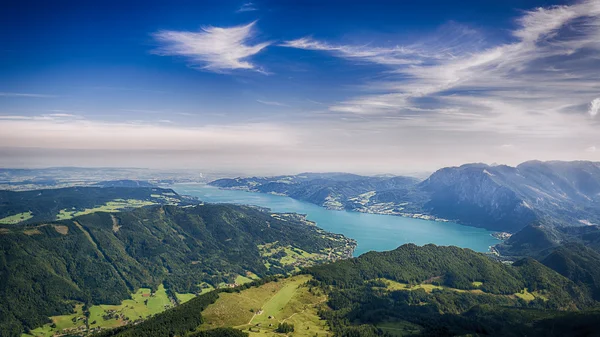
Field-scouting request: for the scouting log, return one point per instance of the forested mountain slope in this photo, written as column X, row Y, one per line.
column 100, row 258
column 52, row 204
column 450, row 291
column 410, row 291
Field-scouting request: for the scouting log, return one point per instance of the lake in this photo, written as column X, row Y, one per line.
column 371, row 231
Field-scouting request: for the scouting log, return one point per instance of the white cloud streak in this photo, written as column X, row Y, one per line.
column 247, row 7
column 273, row 103
column 386, row 56
column 21, row 94
column 213, row 48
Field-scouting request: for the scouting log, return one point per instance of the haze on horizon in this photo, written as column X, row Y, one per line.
column 275, row 87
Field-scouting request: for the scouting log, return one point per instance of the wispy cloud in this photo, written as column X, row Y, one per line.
column 541, row 84
column 213, row 49
column 271, row 103
column 21, row 94
column 387, row 56
column 247, row 7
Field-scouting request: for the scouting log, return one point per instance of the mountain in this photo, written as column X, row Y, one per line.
column 509, row 198
column 573, row 252
column 410, row 291
column 450, row 291
column 500, row 198
column 51, row 204
column 539, row 240
column 101, row 258
column 339, row 191
column 577, row 263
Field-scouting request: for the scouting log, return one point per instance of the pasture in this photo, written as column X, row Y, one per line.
column 287, row 300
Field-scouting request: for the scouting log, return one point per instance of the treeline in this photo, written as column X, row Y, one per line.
column 178, row 321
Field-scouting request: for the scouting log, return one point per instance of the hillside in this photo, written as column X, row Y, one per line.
column 101, row 258
column 449, row 291
column 500, row 198
column 63, row 203
column 410, row 291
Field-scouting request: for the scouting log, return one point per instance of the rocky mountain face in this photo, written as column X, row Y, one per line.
column 510, row 198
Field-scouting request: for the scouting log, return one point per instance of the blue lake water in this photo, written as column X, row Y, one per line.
column 371, row 231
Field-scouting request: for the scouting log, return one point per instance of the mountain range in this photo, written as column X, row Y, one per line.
column 499, row 198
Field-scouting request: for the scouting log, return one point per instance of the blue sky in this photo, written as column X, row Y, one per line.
column 287, row 86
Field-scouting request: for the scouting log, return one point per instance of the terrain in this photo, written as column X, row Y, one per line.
column 162, row 254
column 500, row 198
column 127, row 258
column 410, row 291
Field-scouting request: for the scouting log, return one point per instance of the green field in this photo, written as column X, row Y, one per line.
column 288, row 301
column 116, row 205
column 142, row 305
column 530, row 296
column 393, row 285
column 182, row 298
column 64, row 323
column 524, row 294
column 290, row 255
column 203, row 288
column 15, row 219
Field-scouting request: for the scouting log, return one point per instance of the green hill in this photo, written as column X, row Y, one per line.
column 101, row 258
column 410, row 291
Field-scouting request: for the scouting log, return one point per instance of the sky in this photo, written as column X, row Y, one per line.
column 269, row 87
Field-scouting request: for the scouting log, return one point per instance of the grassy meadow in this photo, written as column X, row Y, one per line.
column 288, row 300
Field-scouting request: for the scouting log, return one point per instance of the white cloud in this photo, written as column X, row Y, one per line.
column 271, row 103
column 536, row 86
column 47, row 117
column 21, row 94
column 594, row 107
column 591, row 149
column 247, row 7
column 213, row 48
column 386, row 56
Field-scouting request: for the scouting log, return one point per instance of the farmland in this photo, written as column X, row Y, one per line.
column 143, row 304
